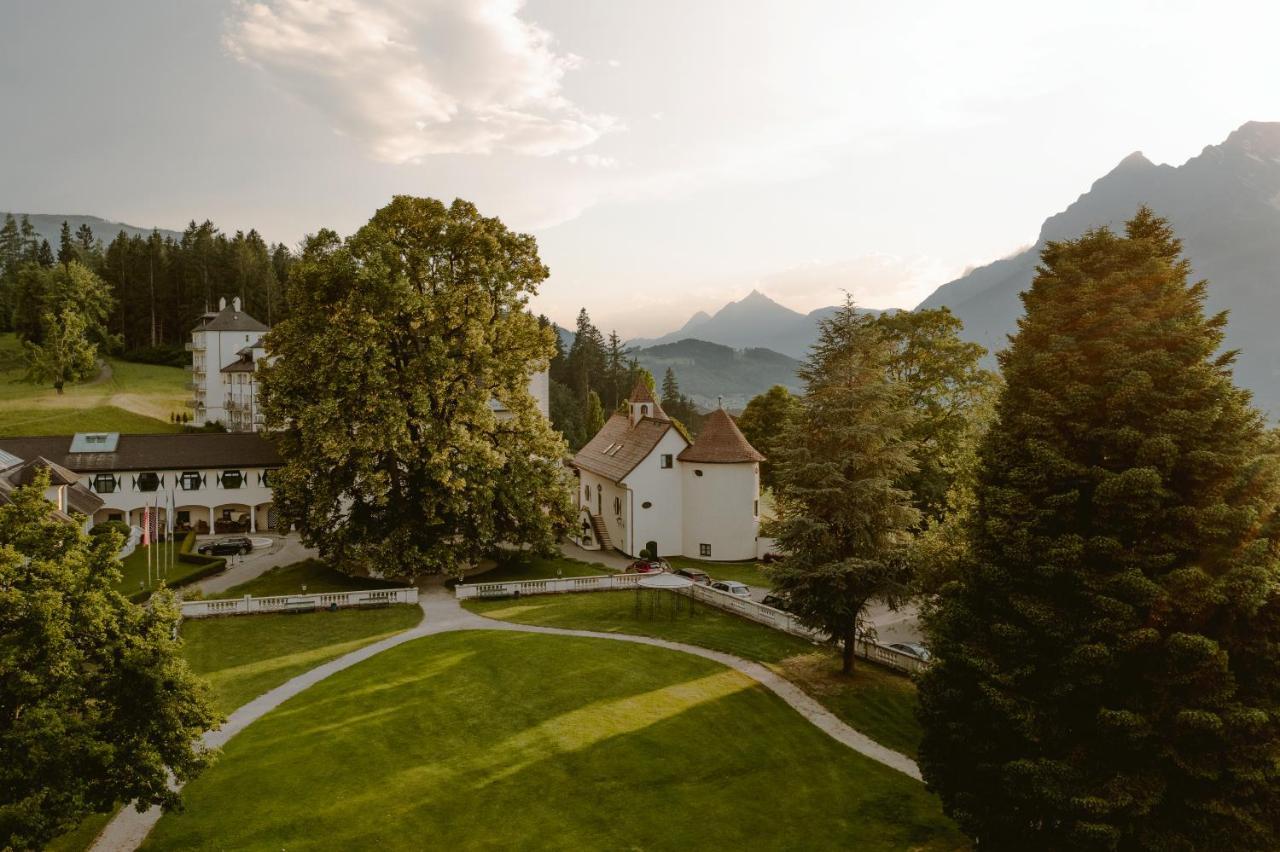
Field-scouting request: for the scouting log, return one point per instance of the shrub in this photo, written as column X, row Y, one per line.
column 107, row 526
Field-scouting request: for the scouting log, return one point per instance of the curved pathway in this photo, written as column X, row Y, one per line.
column 443, row 614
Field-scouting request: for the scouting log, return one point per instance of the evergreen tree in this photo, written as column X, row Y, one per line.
column 10, row 259
column 44, row 255
column 1107, row 664
column 840, row 515
column 398, row 340
column 595, row 415
column 764, row 422
column 30, row 241
column 670, row 388
column 85, row 242
column 65, row 354
column 566, row 416
column 66, row 246
column 97, row 705
column 615, row 373
column 586, row 358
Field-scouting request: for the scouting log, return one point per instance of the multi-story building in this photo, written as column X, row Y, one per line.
column 216, row 482
column 225, row 350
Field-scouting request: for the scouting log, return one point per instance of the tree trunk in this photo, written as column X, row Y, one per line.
column 58, row 387
column 850, row 639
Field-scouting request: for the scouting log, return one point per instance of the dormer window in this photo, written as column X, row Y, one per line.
column 644, row 411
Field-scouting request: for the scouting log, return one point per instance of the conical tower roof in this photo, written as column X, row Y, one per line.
column 641, row 393
column 720, row 441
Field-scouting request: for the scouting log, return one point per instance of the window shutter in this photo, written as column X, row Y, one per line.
column 162, row 480
column 204, row 479
column 135, row 483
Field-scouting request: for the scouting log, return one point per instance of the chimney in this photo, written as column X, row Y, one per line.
column 222, row 303
column 235, row 304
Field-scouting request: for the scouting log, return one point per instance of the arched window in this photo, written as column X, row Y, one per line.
column 644, row 411
column 617, row 505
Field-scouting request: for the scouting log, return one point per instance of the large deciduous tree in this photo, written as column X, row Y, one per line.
column 66, row 355
column 764, row 421
column 1106, row 669
column 841, row 516
column 97, row 705
column 381, row 388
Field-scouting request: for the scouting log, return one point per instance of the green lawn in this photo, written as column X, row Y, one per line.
column 875, row 701
column 67, row 421
column 80, row 838
column 615, row 612
column 317, row 576
column 751, row 573
column 243, row 657
column 134, row 398
column 135, row 571
column 522, row 566
column 493, row 740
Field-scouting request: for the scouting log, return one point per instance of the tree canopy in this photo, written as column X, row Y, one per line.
column 1106, row 672
column 841, row 516
column 764, row 422
column 96, row 704
column 382, row 385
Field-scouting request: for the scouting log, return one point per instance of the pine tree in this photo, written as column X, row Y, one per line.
column 30, row 240
column 615, row 373
column 586, row 358
column 840, row 515
column 44, row 255
column 85, row 242
column 764, row 422
column 1106, row 669
column 670, row 388
column 66, row 247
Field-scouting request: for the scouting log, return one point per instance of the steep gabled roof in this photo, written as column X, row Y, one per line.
column 229, row 319
column 641, row 393
column 619, row 447
column 720, row 441
column 58, row 475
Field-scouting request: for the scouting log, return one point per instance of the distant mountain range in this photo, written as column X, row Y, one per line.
column 755, row 321
column 1224, row 204
column 711, row 373
column 49, row 225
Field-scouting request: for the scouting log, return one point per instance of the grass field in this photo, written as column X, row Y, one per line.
column 246, row 656
column 127, row 397
column 875, row 701
column 138, row 578
column 751, row 573
column 312, row 573
column 511, row 567
column 483, row 739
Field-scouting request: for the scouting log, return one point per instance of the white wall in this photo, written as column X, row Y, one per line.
column 128, row 498
column 663, row 521
column 720, row 509
column 615, row 522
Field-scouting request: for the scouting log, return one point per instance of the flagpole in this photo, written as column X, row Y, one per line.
column 146, row 541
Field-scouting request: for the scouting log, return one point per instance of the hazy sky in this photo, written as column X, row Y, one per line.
column 669, row 156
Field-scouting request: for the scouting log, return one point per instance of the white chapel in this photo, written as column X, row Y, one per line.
column 643, row 486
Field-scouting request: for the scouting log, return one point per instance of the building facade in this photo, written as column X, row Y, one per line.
column 226, row 348
column 215, row 482
column 642, row 486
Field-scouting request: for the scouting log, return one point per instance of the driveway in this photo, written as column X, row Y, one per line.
column 284, row 550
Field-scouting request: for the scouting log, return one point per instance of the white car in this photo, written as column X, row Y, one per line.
column 733, row 587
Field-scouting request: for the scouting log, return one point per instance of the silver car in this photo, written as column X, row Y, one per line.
column 733, row 587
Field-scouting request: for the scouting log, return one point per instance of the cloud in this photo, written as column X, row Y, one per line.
column 413, row 78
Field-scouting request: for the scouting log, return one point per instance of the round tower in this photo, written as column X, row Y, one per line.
column 720, row 477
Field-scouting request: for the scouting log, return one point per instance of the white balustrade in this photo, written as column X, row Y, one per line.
column 249, row 605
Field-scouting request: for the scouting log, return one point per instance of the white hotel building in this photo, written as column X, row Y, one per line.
column 220, row 482
column 225, row 350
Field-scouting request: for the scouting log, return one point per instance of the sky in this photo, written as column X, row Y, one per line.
column 669, row 155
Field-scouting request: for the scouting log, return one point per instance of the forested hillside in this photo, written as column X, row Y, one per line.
column 159, row 282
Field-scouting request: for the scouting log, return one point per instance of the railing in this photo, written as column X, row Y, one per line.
column 609, row 582
column 748, row 609
column 249, row 605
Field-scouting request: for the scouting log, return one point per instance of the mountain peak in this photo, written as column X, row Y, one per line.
column 1136, row 159
column 757, row 296
column 1261, row 138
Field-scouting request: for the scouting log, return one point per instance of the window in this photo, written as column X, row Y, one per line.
column 148, row 481
column 664, row 461
column 184, row 518
column 231, row 479
column 755, row 508
column 697, row 473
column 646, row 505
column 104, row 483
column 644, row 411
column 190, row 480
column 704, row 550
column 617, row 505
column 115, row 516
column 586, row 492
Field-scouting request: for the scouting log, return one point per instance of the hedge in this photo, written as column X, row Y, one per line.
column 202, row 566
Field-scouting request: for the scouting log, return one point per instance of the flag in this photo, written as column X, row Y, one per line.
column 146, row 526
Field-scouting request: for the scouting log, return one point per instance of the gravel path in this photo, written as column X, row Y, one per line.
column 442, row 614
column 285, row 550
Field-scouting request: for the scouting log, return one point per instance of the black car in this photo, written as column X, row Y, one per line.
column 697, row 575
column 777, row 602
column 226, row 547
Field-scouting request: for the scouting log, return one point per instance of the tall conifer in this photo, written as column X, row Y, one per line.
column 1106, row 672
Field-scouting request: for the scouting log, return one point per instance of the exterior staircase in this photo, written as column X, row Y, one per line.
column 602, row 532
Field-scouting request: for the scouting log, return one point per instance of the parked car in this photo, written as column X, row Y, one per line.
column 647, row 566
column 697, row 575
column 225, row 547
column 733, row 587
column 777, row 602
column 915, row 649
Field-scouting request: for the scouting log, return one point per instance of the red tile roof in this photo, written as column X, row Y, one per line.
column 619, row 447
column 720, row 441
